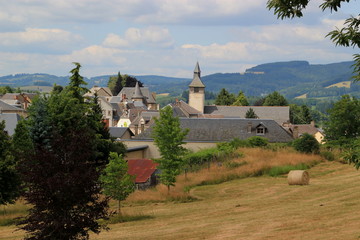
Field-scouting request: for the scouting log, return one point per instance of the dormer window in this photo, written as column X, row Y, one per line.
column 260, row 131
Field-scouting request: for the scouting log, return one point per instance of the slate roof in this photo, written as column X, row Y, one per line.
column 137, row 92
column 305, row 128
column 95, row 89
column 280, row 114
column 224, row 129
column 142, row 169
column 196, row 82
column 118, row 132
column 129, row 92
column 7, row 107
column 11, row 120
column 182, row 109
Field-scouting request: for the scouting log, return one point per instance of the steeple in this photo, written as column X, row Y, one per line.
column 196, row 82
column 137, row 93
column 197, row 91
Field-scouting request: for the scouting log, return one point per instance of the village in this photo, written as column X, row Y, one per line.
column 129, row 117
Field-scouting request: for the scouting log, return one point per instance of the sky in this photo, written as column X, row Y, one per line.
column 161, row 37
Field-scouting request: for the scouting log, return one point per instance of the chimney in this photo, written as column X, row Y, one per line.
column 296, row 132
column 136, row 129
column 249, row 126
column 312, row 123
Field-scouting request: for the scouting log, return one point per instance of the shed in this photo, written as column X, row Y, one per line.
column 145, row 171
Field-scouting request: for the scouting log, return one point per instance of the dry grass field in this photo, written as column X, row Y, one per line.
column 254, row 208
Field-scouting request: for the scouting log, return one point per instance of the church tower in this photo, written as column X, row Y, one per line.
column 197, row 91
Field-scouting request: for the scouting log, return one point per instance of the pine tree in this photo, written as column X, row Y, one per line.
column 168, row 137
column 115, row 84
column 251, row 114
column 241, row 100
column 224, row 98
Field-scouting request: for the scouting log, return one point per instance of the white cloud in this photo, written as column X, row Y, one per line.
column 36, row 35
column 151, row 36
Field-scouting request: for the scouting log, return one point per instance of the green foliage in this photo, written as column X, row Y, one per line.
column 6, row 89
column 352, row 153
column 117, row 183
column 257, row 141
column 251, row 114
column 344, row 121
column 306, row 144
column 61, row 173
column 224, row 98
column 241, row 100
column 9, row 178
column 281, row 170
column 115, row 84
column 275, row 99
column 168, row 137
column 300, row 114
column 348, row 36
column 328, row 155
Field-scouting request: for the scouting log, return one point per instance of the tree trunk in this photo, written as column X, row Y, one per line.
column 168, row 187
column 119, row 210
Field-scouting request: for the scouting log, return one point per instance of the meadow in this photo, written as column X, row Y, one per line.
column 249, row 200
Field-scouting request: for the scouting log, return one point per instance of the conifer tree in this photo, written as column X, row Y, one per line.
column 251, row 114
column 62, row 174
column 241, row 100
column 224, row 98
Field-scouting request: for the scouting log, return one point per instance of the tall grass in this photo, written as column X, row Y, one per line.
column 9, row 214
column 253, row 162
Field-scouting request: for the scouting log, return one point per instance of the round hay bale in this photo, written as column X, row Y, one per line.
column 298, row 177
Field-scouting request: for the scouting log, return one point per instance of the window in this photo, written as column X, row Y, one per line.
column 196, row 89
column 260, row 131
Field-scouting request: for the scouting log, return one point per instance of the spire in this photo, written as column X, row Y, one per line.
column 196, row 82
column 137, row 92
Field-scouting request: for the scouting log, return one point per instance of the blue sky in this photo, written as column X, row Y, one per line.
column 161, row 37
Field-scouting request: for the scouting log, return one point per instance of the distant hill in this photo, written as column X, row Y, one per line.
column 292, row 79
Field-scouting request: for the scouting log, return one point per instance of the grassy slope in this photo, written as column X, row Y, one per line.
column 251, row 208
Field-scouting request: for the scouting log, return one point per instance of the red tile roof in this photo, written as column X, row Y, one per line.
column 142, row 169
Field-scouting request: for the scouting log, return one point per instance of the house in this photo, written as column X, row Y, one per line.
column 143, row 121
column 145, row 171
column 120, row 132
column 11, row 120
column 7, row 108
column 20, row 100
column 206, row 132
column 104, row 92
column 297, row 130
column 140, row 96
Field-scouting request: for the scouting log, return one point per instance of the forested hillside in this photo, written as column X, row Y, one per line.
column 291, row 79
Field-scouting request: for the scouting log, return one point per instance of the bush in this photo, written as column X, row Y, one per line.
column 306, row 144
column 327, row 155
column 256, row 141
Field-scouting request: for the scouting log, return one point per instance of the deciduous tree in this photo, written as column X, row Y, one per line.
column 275, row 99
column 117, row 183
column 168, row 137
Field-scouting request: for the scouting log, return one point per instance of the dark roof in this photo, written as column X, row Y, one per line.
column 224, row 129
column 137, row 92
column 280, row 114
column 182, row 109
column 118, row 132
column 137, row 148
column 142, row 169
column 129, row 92
column 11, row 120
column 196, row 82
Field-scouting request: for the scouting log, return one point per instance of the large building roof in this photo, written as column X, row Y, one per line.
column 7, row 107
column 130, row 91
column 280, row 114
column 224, row 129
